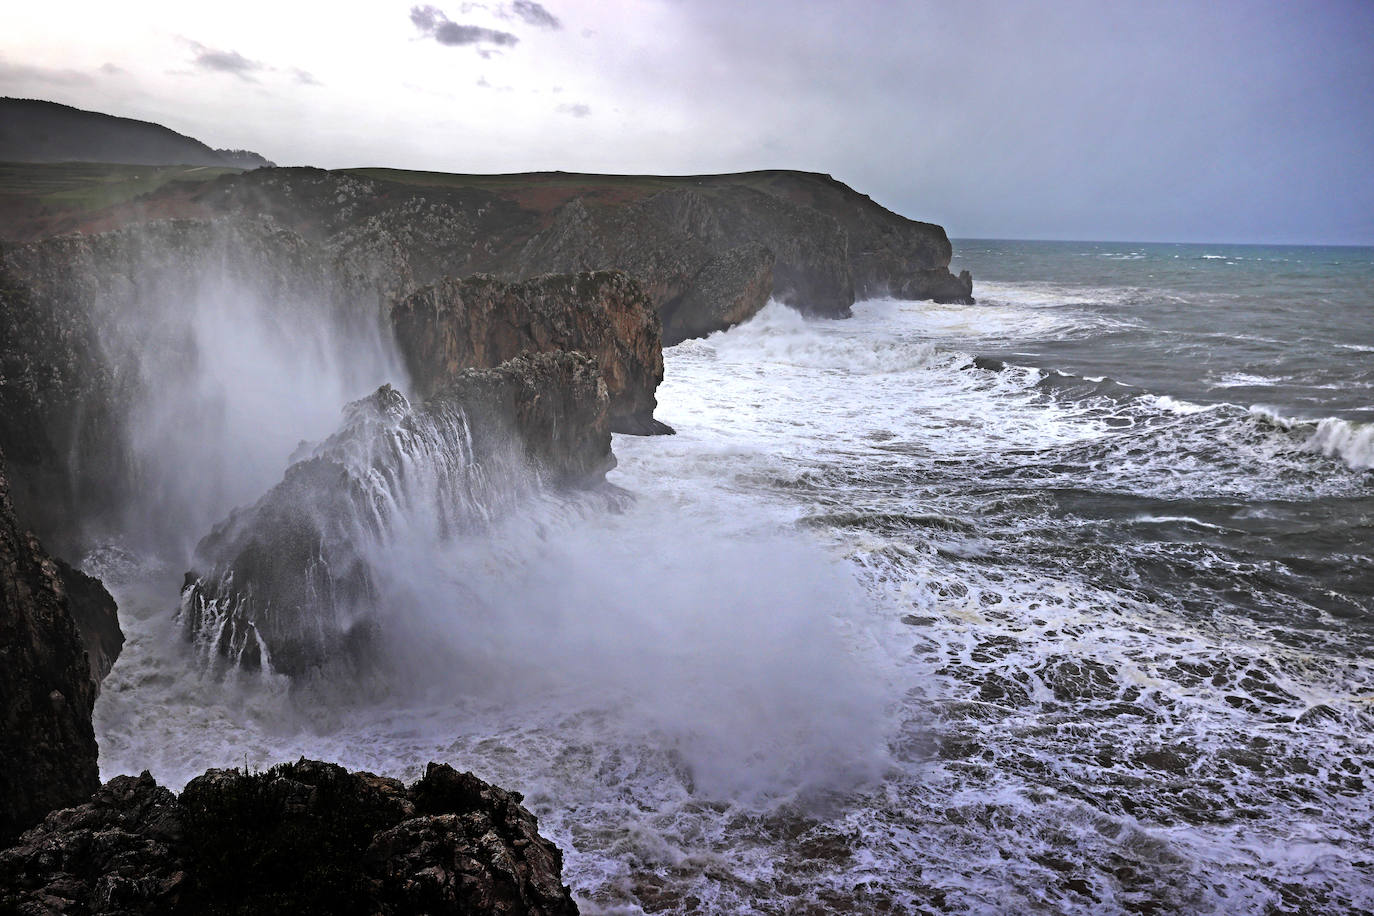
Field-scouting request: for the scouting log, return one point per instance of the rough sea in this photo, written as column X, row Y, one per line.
column 1058, row 603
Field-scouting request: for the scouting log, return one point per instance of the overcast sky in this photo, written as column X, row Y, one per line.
column 1234, row 120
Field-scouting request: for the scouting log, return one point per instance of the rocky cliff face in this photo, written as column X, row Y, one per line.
column 805, row 239
column 47, row 683
column 292, row 582
column 481, row 322
column 302, row 838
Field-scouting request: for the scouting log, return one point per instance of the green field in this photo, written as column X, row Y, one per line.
column 84, row 186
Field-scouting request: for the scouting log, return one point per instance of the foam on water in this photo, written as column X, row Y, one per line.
column 888, row 628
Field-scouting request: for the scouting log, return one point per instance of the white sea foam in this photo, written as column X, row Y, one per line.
column 1334, row 437
column 708, row 673
column 1353, row 443
column 1244, row 380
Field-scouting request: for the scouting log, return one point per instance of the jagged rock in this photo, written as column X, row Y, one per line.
column 481, row 322
column 47, row 686
column 556, row 403
column 288, row 582
column 936, row 285
column 302, row 838
column 96, row 616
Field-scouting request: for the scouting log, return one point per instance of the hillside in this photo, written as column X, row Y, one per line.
column 37, row 131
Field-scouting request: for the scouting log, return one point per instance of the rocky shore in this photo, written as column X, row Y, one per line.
column 48, row 682
column 304, row 837
column 307, row 837
column 525, row 315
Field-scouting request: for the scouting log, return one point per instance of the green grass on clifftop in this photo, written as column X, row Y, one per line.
column 92, row 185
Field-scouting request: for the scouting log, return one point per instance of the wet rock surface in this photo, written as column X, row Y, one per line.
column 306, row 838
column 47, row 686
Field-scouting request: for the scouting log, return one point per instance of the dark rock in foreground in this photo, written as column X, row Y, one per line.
column 291, row 582
column 47, row 685
column 481, row 322
column 302, row 838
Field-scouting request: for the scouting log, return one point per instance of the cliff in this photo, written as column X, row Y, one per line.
column 709, row 250
column 48, row 682
column 304, row 838
column 801, row 238
column 481, row 321
column 292, row 582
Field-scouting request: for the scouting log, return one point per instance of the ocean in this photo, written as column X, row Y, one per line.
column 1058, row 603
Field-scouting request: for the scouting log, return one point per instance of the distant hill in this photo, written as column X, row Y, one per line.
column 36, row 131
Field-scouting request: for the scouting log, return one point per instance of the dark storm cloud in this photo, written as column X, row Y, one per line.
column 231, row 62
column 432, row 21
column 1098, row 119
column 535, row 14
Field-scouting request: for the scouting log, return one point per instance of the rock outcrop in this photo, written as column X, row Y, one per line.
column 303, row 838
column 290, row 582
column 47, row 684
column 481, row 322
column 96, row 617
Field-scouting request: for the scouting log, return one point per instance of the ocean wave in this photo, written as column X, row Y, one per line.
column 1244, row 380
column 783, row 336
column 1054, row 295
column 1333, row 437
column 1353, row 443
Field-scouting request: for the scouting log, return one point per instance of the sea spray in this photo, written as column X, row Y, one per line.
column 226, row 344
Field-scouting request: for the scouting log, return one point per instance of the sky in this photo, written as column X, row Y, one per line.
column 1228, row 120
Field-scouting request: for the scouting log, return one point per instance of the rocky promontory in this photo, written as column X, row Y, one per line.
column 303, row 838
column 292, row 582
column 708, row 250
column 106, row 343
